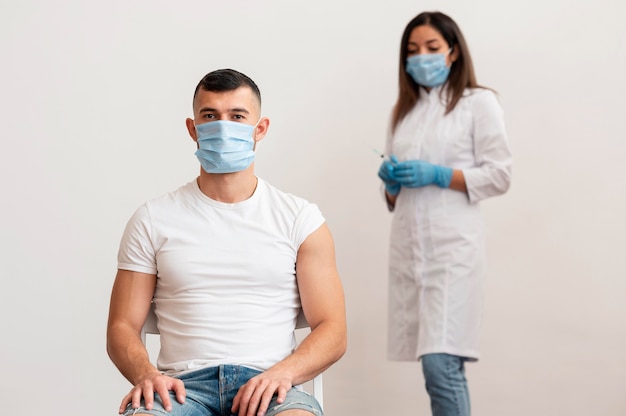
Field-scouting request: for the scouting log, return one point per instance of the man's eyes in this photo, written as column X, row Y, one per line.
column 208, row 116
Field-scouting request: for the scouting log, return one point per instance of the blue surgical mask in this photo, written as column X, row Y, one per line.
column 225, row 146
column 428, row 70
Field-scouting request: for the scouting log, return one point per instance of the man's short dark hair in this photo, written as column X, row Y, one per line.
column 226, row 80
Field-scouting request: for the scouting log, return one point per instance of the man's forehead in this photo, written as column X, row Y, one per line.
column 240, row 99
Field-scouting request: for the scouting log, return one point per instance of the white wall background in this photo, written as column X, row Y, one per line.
column 93, row 98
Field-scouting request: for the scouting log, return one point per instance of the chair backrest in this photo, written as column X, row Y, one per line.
column 151, row 327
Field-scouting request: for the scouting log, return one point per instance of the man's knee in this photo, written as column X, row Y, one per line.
column 297, row 403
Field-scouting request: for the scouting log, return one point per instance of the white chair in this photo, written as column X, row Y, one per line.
column 151, row 327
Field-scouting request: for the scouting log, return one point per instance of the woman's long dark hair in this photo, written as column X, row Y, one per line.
column 461, row 72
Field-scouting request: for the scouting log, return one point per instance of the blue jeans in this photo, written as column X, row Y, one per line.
column 210, row 392
column 446, row 384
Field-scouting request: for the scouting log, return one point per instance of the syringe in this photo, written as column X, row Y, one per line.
column 379, row 153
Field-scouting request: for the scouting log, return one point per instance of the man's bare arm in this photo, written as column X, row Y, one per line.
column 130, row 303
column 323, row 303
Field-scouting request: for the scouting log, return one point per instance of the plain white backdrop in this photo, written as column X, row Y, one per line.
column 93, row 99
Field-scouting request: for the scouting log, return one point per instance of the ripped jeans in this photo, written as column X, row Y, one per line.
column 210, row 391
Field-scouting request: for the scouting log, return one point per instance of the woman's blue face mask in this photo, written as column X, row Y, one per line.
column 225, row 146
column 428, row 70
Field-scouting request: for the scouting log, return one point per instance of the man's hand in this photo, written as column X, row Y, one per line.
column 254, row 397
column 154, row 383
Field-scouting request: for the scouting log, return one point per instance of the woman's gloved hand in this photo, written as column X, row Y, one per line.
column 418, row 173
column 386, row 173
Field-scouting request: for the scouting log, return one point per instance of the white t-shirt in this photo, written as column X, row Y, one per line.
column 226, row 287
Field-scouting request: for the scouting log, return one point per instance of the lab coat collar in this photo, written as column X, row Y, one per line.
column 436, row 94
column 433, row 90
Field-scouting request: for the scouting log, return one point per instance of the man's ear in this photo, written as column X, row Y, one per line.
column 261, row 129
column 191, row 128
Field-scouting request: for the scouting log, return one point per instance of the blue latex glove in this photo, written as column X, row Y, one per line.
column 386, row 173
column 417, row 173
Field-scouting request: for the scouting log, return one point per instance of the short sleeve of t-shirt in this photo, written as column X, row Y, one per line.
column 136, row 252
column 309, row 219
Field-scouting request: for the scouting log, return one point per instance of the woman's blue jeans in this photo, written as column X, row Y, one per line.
column 446, row 384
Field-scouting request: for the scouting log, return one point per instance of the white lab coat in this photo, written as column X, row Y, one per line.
column 436, row 259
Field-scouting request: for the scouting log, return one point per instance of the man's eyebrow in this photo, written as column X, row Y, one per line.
column 230, row 110
column 239, row 110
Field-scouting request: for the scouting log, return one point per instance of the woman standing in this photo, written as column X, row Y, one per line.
column 448, row 151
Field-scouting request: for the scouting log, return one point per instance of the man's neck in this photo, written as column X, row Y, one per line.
column 229, row 187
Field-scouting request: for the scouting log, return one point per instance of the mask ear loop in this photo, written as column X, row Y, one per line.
column 450, row 55
column 254, row 132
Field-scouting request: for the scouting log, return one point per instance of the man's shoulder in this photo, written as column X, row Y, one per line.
column 300, row 215
column 173, row 196
column 164, row 203
column 276, row 195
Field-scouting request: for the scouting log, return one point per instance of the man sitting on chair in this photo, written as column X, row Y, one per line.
column 229, row 261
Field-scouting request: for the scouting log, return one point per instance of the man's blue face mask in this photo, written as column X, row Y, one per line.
column 428, row 70
column 225, row 146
